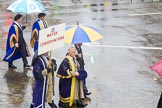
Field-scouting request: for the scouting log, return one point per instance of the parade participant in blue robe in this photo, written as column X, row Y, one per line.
column 40, row 73
column 16, row 46
column 38, row 25
column 68, row 83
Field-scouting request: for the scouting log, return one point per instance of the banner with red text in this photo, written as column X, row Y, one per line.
column 51, row 38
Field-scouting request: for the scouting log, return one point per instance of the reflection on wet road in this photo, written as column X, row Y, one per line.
column 16, row 83
column 117, row 77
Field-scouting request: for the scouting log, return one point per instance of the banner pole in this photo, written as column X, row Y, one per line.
column 50, row 91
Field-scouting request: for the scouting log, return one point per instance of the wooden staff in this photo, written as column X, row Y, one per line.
column 50, row 90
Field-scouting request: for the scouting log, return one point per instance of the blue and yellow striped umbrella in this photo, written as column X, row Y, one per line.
column 81, row 34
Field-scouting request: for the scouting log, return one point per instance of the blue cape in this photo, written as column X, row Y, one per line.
column 10, row 48
column 38, row 25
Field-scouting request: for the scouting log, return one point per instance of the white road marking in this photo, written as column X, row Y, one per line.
column 127, row 47
column 158, row 13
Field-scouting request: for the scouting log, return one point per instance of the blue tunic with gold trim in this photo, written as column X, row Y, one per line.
column 67, row 81
column 13, row 35
column 38, row 25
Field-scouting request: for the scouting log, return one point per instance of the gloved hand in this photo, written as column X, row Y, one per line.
column 53, row 61
column 44, row 72
column 54, row 64
column 55, row 67
column 49, row 70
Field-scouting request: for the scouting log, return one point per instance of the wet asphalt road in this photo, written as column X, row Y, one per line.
column 117, row 77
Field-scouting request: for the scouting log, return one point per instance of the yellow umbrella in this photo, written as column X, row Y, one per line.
column 81, row 34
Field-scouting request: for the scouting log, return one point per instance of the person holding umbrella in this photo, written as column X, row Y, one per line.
column 79, row 58
column 16, row 46
column 39, row 24
column 79, row 55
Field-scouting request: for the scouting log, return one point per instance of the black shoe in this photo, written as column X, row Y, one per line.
column 12, row 66
column 62, row 105
column 27, row 66
column 52, row 105
column 88, row 93
column 31, row 106
column 80, row 103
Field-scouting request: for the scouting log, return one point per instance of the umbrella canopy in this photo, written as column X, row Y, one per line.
column 81, row 34
column 157, row 67
column 26, row 6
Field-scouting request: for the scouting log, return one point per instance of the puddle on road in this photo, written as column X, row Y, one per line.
column 16, row 83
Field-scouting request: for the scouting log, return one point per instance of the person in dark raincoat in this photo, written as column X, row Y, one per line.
column 69, row 89
column 39, row 24
column 79, row 57
column 41, row 80
column 16, row 46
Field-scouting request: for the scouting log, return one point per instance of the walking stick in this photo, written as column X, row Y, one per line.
column 53, row 69
column 26, row 18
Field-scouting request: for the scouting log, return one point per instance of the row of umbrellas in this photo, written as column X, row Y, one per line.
column 74, row 34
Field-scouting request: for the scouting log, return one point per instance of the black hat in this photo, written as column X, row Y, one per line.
column 41, row 15
column 18, row 16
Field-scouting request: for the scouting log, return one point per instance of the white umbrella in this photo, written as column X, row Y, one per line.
column 26, row 6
